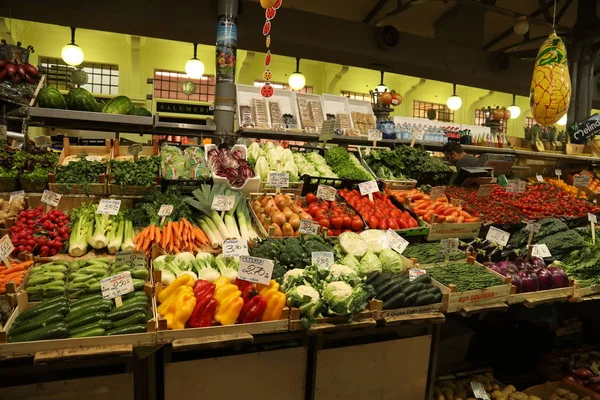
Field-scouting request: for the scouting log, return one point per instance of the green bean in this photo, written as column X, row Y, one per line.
column 464, row 276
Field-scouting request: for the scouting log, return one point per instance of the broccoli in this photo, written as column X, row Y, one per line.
column 315, row 244
column 293, row 254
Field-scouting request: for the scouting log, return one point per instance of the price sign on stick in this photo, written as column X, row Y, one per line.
column 257, row 270
column 327, row 130
column 581, row 180
column 18, row 195
column 116, row 286
column 368, row 188
column 6, row 248
column 235, row 248
column 223, row 203
column 437, row 192
column 414, row 273
column 558, row 172
column 479, row 391
column 165, row 210
column 485, row 190
column 322, row 259
column 279, row 180
column 51, row 198
column 325, row 192
column 593, row 219
column 308, row 227
column 540, row 250
column 135, row 149
column 374, row 135
column 134, row 259
column 539, row 178
column 108, row 207
column 498, row 236
column 448, row 246
column 397, row 242
column 43, row 141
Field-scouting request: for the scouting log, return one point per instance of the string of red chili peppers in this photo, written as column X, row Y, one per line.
column 271, row 7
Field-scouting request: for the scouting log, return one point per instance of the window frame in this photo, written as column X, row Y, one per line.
column 204, row 93
column 421, row 107
column 66, row 85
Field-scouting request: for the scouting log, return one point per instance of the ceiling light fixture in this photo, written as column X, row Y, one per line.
column 514, row 109
column 297, row 79
column 194, row 68
column 381, row 87
column 71, row 53
column 521, row 25
column 454, row 102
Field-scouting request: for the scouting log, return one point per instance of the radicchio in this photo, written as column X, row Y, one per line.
column 230, row 165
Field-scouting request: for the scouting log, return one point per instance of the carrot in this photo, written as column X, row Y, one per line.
column 10, row 270
column 157, row 235
column 168, row 234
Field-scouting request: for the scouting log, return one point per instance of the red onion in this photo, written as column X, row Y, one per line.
column 545, row 278
column 530, row 281
column 559, row 277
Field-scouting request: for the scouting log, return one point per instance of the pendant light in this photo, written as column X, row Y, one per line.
column 297, row 79
column 71, row 53
column 454, row 102
column 381, row 87
column 562, row 121
column 514, row 109
column 194, row 68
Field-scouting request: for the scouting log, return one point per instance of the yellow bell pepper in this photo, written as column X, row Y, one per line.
column 222, row 280
column 183, row 280
column 272, row 285
column 180, row 312
column 221, row 293
column 229, row 310
column 275, row 303
column 169, row 304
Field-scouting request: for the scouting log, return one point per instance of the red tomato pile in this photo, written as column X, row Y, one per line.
column 334, row 216
column 381, row 213
column 40, row 233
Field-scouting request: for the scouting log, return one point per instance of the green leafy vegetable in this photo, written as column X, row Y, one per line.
column 346, row 165
column 142, row 172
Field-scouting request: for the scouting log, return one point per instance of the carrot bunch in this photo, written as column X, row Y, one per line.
column 14, row 274
column 174, row 237
column 445, row 211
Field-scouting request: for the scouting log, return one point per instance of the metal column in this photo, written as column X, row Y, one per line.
column 226, row 54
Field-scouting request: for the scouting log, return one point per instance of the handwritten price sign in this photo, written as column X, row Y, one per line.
column 540, row 250
column 322, row 259
column 325, row 192
column 308, row 227
column 449, row 246
column 6, row 247
column 327, row 130
column 533, row 227
column 368, row 187
column 222, row 202
column 135, row 259
column 257, row 270
column 279, row 179
column 43, row 141
column 165, row 210
column 135, row 149
column 116, row 285
column 498, row 236
column 51, row 198
column 437, row 192
column 374, row 135
column 414, row 273
column 479, row 391
column 18, row 195
column 109, row 207
column 397, row 242
column 485, row 190
column 581, row 180
column 235, row 248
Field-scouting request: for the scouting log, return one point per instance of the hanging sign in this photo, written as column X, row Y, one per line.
column 583, row 131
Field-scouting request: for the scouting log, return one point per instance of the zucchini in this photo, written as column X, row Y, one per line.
column 36, row 323
column 56, row 330
column 437, row 298
column 42, row 308
column 424, row 299
column 87, row 319
column 139, row 293
column 137, row 318
column 139, row 328
column 371, row 276
column 125, row 311
column 86, row 299
column 138, row 284
column 411, row 299
column 412, row 288
column 390, row 292
column 396, row 301
column 105, row 324
column 384, row 287
column 425, row 278
column 103, row 305
column 139, row 273
column 136, row 300
column 382, row 278
column 88, row 333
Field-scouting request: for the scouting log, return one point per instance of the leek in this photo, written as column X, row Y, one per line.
column 209, row 233
column 202, row 201
column 229, row 215
column 214, row 230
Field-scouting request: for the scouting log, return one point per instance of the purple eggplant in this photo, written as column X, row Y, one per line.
column 545, row 278
column 559, row 277
column 515, row 281
column 530, row 281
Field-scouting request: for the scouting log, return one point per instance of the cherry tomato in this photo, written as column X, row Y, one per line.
column 310, row 198
column 357, row 224
column 336, row 221
column 324, row 222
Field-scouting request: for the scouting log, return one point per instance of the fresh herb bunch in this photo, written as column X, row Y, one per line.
column 82, row 172
column 142, row 172
column 406, row 161
column 145, row 210
column 38, row 174
column 386, row 164
column 346, row 165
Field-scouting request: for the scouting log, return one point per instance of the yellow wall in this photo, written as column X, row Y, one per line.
column 137, row 62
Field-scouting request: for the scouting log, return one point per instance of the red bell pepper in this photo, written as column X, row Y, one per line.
column 201, row 316
column 199, row 285
column 248, row 289
column 253, row 310
column 207, row 315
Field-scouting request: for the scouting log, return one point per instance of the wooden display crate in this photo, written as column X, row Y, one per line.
column 295, row 188
column 102, row 152
column 132, row 190
column 77, row 344
column 361, row 320
column 580, row 293
column 545, row 390
column 478, row 300
column 447, row 230
column 532, row 299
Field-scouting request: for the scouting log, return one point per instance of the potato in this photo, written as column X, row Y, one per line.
column 572, row 396
column 448, row 393
column 440, row 397
column 517, row 396
column 460, row 393
column 508, row 390
column 586, row 398
column 561, row 392
column 531, row 397
column 497, row 395
column 495, row 386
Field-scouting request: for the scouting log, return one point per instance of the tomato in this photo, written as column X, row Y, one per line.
column 330, row 232
column 336, row 221
column 373, row 222
column 357, row 224
column 392, row 224
column 382, row 224
column 337, row 232
column 346, row 221
column 321, row 214
column 324, row 222
column 312, row 209
column 310, row 198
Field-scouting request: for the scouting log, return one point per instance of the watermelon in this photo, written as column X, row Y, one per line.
column 118, row 105
column 141, row 111
column 80, row 99
column 50, row 97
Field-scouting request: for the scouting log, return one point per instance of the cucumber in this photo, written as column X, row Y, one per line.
column 434, row 290
column 139, row 273
column 139, row 328
column 105, row 324
column 36, row 323
column 425, row 278
column 88, row 333
column 424, row 299
column 412, row 288
column 135, row 294
column 86, row 299
column 125, row 311
column 371, row 276
column 42, row 308
column 138, row 284
column 87, row 319
column 411, row 299
column 137, row 318
column 382, row 278
column 390, row 292
column 396, row 301
column 136, row 300
column 56, row 330
column 437, row 297
column 103, row 305
column 384, row 287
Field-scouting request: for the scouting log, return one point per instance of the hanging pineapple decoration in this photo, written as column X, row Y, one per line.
column 551, row 84
column 271, row 7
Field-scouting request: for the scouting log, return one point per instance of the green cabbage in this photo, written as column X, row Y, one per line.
column 391, row 261
column 261, row 168
column 369, row 263
column 351, row 261
column 353, row 243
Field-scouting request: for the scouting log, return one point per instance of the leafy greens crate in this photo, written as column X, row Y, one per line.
column 132, row 190
column 185, row 186
column 388, row 184
column 532, row 299
column 361, row 320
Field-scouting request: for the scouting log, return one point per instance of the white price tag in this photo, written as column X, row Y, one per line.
column 325, row 192
column 485, row 190
column 368, row 187
column 165, row 210
column 18, row 195
column 308, row 227
column 134, row 259
column 592, row 218
column 257, row 270
column 43, row 141
column 223, row 203
column 557, row 172
column 374, row 135
column 6, row 247
column 327, row 130
column 533, row 227
column 581, row 180
column 479, row 391
column 419, row 135
column 498, row 236
column 540, row 250
column 117, row 285
column 322, row 259
column 279, row 179
column 235, row 248
column 512, row 186
column 135, row 149
column 95, row 158
column 521, row 187
column 414, row 273
column 397, row 242
column 108, row 207
column 51, row 198
column 437, row 192
column 539, row 178
column 449, row 246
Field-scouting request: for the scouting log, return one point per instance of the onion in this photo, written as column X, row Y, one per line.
column 545, row 278
column 530, row 281
column 537, row 262
column 559, row 277
column 516, row 281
